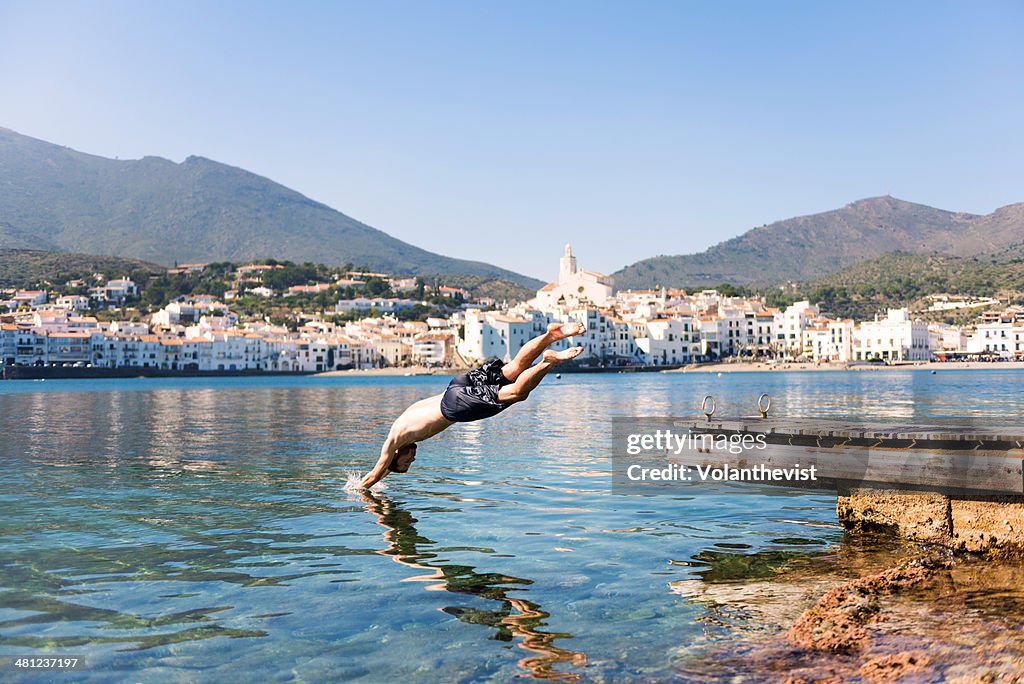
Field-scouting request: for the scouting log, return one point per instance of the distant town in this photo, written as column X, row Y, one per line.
column 84, row 325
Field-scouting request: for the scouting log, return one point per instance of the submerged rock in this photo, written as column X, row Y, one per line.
column 849, row 616
column 837, row 622
column 892, row 668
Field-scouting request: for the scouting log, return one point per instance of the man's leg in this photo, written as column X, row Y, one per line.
column 532, row 349
column 531, row 377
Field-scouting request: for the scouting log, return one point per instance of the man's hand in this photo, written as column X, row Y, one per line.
column 372, row 478
column 380, row 468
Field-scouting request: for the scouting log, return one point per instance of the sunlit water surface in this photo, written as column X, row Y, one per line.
column 199, row 528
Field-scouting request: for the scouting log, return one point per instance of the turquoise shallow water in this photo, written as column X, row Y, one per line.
column 198, row 529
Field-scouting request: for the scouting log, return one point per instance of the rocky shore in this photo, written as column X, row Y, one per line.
column 909, row 613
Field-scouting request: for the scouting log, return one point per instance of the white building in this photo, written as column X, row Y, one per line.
column 384, row 305
column 894, row 338
column 176, row 313
column 947, row 338
column 668, row 341
column 315, row 355
column 68, row 348
column 828, row 340
column 997, row 339
column 243, row 350
column 453, row 292
column 431, row 349
column 29, row 298
column 280, row 353
column 760, row 329
column 29, row 347
column 628, row 300
column 732, row 328
column 8, row 339
column 574, row 287
column 623, row 346
column 789, row 326
column 398, row 284
column 115, row 291
column 189, row 312
column 492, row 335
column 72, row 303
column 129, row 328
column 49, row 319
column 711, row 333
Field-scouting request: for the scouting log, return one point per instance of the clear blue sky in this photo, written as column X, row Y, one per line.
column 501, row 131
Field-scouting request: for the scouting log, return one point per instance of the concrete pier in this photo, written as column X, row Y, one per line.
column 962, row 487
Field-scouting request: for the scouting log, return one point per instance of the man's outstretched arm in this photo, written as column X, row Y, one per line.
column 420, row 421
column 380, row 469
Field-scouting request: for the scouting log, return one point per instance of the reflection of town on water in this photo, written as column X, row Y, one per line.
column 513, row 618
column 870, row 395
column 175, row 430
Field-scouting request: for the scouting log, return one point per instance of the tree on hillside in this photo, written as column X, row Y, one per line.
column 377, row 287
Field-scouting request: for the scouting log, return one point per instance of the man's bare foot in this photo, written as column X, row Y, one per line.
column 558, row 331
column 556, row 357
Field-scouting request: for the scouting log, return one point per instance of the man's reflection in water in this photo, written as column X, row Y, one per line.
column 515, row 617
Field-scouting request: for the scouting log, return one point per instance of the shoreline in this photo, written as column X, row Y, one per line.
column 790, row 367
column 390, row 371
column 744, row 367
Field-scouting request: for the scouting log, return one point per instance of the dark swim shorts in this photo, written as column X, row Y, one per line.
column 474, row 395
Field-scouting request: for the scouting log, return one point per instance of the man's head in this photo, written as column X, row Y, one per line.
column 403, row 459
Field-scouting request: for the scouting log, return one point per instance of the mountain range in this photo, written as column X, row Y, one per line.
column 57, row 199
column 808, row 247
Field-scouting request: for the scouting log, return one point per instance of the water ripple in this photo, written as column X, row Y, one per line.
column 143, row 520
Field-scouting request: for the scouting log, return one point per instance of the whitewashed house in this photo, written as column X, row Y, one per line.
column 997, row 339
column 828, row 340
column 72, row 303
column 432, row 349
column 8, row 339
column 29, row 298
column 893, row 338
column 789, row 326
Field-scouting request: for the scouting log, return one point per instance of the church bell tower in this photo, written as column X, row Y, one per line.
column 567, row 266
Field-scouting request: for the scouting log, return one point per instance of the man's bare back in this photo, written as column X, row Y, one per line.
column 420, row 421
column 426, row 417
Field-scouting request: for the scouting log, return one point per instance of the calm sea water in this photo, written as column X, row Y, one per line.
column 198, row 529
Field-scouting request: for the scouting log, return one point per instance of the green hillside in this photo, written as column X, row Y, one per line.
column 56, row 199
column 498, row 289
column 24, row 268
column 902, row 279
